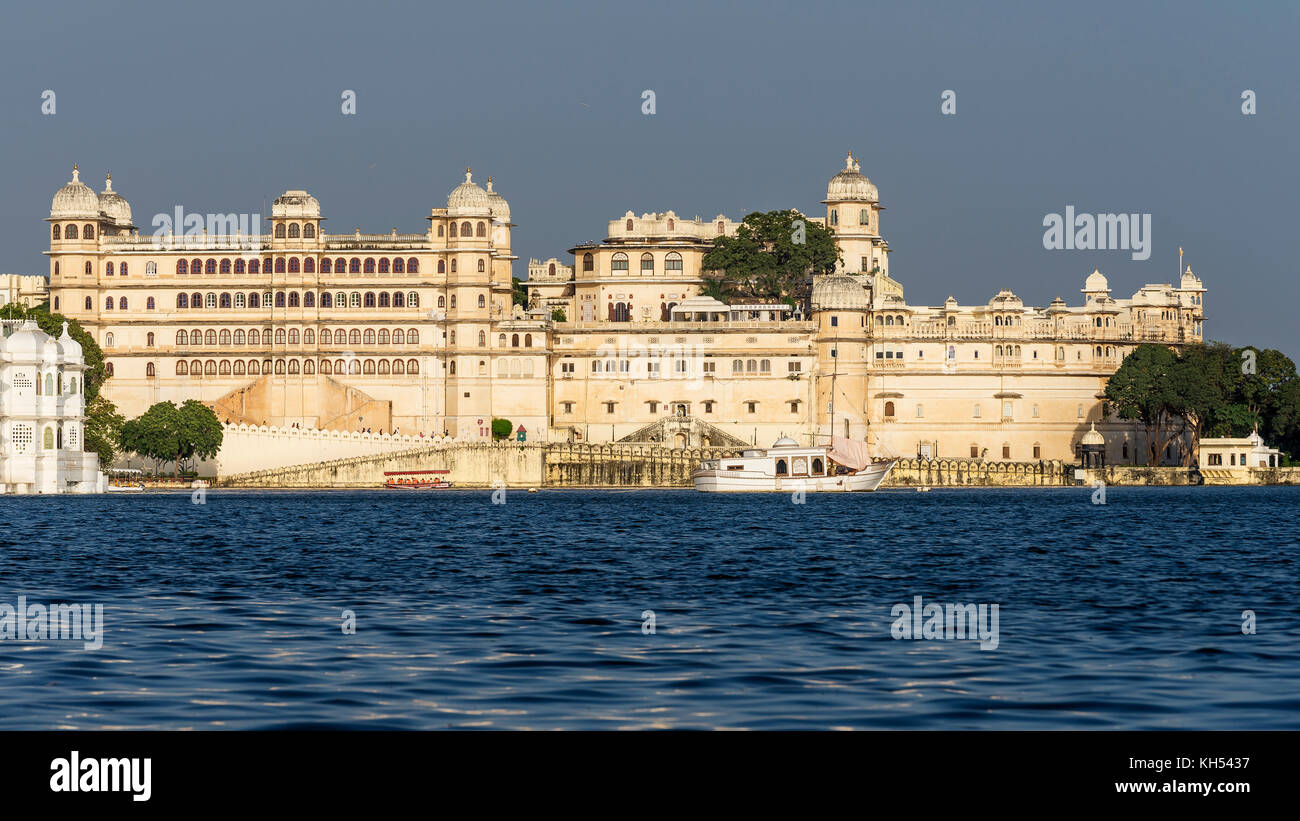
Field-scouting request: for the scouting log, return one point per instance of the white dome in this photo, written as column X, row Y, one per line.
column 71, row 348
column 75, row 200
column 1096, row 282
column 296, row 205
column 851, row 184
column 1092, row 437
column 114, row 205
column 498, row 205
column 785, row 442
column 838, row 292
column 469, row 197
column 28, row 340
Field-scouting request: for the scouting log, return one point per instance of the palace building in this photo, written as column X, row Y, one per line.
column 418, row 332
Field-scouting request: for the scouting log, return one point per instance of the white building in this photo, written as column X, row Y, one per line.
column 42, row 414
column 1233, row 459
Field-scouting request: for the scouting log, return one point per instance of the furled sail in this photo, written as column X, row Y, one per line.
column 850, row 453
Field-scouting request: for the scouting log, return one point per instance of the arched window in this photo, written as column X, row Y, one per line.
column 588, row 262
column 354, row 337
column 224, row 337
column 383, row 367
column 399, row 337
column 181, row 368
column 254, row 266
column 308, row 300
column 442, row 302
column 326, row 367
column 481, row 301
column 368, row 338
column 442, row 267
column 324, row 265
column 279, row 336
column 452, row 228
column 619, row 263
column 647, row 264
column 149, row 370
column 88, row 232
column 149, row 340
column 225, row 301
column 210, row 301
column 412, row 366
column 308, row 337
column 254, row 300
column 453, row 302
column 108, row 368
column 71, row 232
column 223, row 367
column 121, row 269
column 89, row 269
column 482, row 339
column 279, row 366
column 239, row 336
column 413, row 337
column 481, row 230
column 121, row 303
column 108, row 271
column 528, row 340
column 210, row 337
column 108, row 340
column 383, row 265
column 294, row 232
column 412, row 300
column 293, row 265
column 293, row 299
column 325, row 300
column 89, row 306
column 279, row 231
column 293, row 366
column 293, row 336
column 383, row 336
column 453, row 266
column 340, row 265
column 354, row 265
column 149, row 304
column 782, row 469
column 309, row 367
column 254, row 368
column 399, row 367
column 354, row 299
column 279, row 299
column 452, row 369
column 309, row 231
column 889, row 409
column 368, row 367
column 55, row 234
column 255, row 337
column 481, row 268
column 182, row 338
column 369, row 300
column 399, row 301
column 466, row 230
column 514, row 340
column 399, row 267
column 240, row 368
column 370, row 265
column 108, row 304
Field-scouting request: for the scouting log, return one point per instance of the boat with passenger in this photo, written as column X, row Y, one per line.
column 416, row 479
column 125, row 480
column 787, row 466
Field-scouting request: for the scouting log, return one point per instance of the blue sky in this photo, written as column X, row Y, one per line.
column 1109, row 107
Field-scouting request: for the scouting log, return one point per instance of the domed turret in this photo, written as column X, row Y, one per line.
column 27, row 342
column 115, row 206
column 295, row 205
column 1096, row 283
column 838, row 292
column 468, row 199
column 851, row 185
column 1092, row 437
column 498, row 205
column 75, row 200
column 785, row 442
column 71, row 348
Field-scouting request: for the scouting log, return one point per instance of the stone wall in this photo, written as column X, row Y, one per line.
column 583, row 465
column 469, row 465
column 246, row 448
column 976, row 473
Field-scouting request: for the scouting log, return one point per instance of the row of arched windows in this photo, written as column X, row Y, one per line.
column 293, row 265
column 890, row 319
column 293, row 299
column 467, row 229
column 308, row 230
column 69, row 231
column 619, row 263
column 253, row 367
column 290, row 336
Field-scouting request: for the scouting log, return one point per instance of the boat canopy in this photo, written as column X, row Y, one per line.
column 850, row 453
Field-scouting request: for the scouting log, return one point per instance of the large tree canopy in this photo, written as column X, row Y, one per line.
column 770, row 258
column 166, row 433
column 1212, row 390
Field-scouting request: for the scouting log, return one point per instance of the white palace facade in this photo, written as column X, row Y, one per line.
column 417, row 332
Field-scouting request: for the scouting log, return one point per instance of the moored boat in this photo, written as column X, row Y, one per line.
column 416, row 479
column 788, row 467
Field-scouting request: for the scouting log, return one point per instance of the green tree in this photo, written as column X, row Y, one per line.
column 558, row 315
column 519, row 291
column 103, row 429
column 1141, row 390
column 166, row 433
column 770, row 257
column 502, row 428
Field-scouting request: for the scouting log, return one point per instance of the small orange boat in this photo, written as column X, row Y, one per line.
column 416, row 479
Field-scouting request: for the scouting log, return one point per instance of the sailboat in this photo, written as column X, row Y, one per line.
column 788, row 467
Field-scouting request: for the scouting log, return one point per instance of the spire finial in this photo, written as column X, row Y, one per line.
column 848, row 161
column 468, row 177
column 76, row 177
column 108, row 182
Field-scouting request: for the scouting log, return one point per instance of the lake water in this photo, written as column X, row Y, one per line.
column 767, row 614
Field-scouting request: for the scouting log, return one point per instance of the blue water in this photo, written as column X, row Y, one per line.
column 769, row 615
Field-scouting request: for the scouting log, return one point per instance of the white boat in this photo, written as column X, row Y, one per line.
column 788, row 467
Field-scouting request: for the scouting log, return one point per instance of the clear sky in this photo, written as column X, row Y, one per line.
column 1107, row 106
